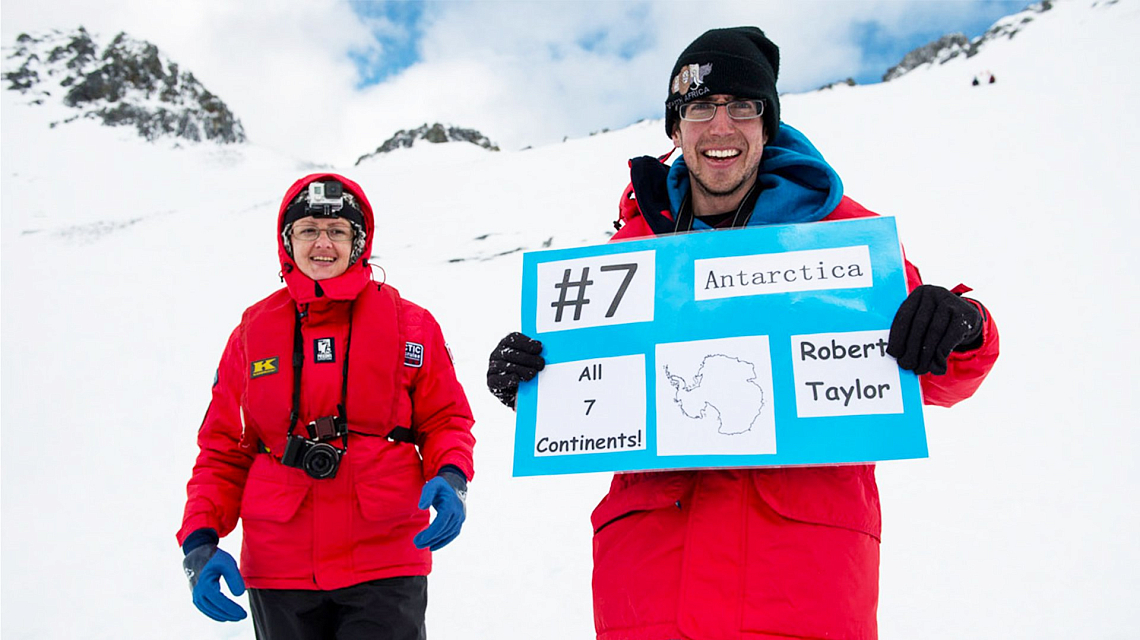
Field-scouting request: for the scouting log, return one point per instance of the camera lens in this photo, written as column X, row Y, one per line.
column 321, row 460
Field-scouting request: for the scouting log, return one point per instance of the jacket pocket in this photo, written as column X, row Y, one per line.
column 381, row 503
column 387, row 480
column 639, row 533
column 816, row 573
column 647, row 492
column 843, row 496
column 275, row 544
column 387, row 518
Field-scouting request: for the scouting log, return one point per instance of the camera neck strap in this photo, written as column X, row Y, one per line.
column 740, row 217
column 298, row 365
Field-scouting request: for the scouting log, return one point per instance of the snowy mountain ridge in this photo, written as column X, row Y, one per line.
column 952, row 45
column 128, row 82
column 433, row 133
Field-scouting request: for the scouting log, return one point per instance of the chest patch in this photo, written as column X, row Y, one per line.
column 264, row 367
column 413, row 354
column 323, row 350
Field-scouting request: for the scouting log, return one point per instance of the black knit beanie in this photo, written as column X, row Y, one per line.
column 739, row 61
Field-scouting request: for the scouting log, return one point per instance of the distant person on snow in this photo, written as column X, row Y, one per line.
column 751, row 553
column 988, row 75
column 336, row 421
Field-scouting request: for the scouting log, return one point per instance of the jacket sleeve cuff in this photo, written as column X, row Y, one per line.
column 198, row 538
column 450, row 468
column 195, row 522
column 977, row 342
column 462, row 466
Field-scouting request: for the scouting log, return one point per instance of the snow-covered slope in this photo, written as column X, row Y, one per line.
column 126, row 264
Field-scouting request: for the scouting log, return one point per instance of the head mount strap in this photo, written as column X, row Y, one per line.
column 303, row 209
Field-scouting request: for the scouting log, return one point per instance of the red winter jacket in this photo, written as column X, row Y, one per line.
column 751, row 553
column 306, row 533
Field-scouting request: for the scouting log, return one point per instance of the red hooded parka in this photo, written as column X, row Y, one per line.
column 739, row 554
column 305, row 533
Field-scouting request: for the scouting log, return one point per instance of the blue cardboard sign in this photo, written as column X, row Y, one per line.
column 757, row 347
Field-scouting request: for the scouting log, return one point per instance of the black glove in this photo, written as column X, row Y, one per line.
column 515, row 359
column 931, row 323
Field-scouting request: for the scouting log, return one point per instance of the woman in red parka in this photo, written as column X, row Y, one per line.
column 336, row 421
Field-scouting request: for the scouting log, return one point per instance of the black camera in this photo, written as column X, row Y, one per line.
column 314, row 454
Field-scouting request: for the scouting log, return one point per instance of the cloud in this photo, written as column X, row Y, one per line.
column 521, row 72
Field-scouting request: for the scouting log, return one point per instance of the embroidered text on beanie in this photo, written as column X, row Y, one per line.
column 738, row 61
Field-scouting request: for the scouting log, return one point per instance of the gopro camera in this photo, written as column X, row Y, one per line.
column 314, row 455
column 326, row 197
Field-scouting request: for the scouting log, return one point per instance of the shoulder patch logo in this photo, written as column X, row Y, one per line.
column 263, row 367
column 323, row 350
column 413, row 354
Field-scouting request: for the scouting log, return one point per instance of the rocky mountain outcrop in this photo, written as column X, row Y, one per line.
column 128, row 82
column 940, row 51
column 951, row 46
column 434, row 133
column 849, row 82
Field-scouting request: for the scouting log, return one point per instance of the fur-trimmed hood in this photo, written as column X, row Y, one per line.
column 347, row 285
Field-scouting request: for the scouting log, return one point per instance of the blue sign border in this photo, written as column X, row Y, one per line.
column 678, row 318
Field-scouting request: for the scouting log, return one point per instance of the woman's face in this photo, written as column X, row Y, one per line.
column 325, row 255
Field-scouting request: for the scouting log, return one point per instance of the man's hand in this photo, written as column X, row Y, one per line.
column 447, row 492
column 205, row 565
column 929, row 324
column 515, row 359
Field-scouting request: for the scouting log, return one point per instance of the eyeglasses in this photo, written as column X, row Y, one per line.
column 737, row 110
column 310, row 234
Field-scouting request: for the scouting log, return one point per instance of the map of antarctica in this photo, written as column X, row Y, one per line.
column 713, row 397
column 721, row 381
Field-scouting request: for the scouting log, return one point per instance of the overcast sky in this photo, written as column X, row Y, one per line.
column 329, row 80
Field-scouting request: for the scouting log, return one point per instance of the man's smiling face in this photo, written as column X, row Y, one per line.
column 722, row 155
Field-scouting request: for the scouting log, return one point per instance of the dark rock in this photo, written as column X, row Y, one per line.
column 941, row 50
column 433, row 133
column 127, row 83
column 1009, row 26
column 850, row 82
column 951, row 46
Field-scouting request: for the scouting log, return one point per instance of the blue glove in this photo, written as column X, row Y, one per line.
column 447, row 492
column 205, row 565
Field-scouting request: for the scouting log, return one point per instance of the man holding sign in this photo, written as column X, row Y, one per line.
column 752, row 552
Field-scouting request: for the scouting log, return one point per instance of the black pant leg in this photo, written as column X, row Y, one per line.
column 292, row 614
column 388, row 609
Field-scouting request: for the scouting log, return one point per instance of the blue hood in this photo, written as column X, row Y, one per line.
column 797, row 183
